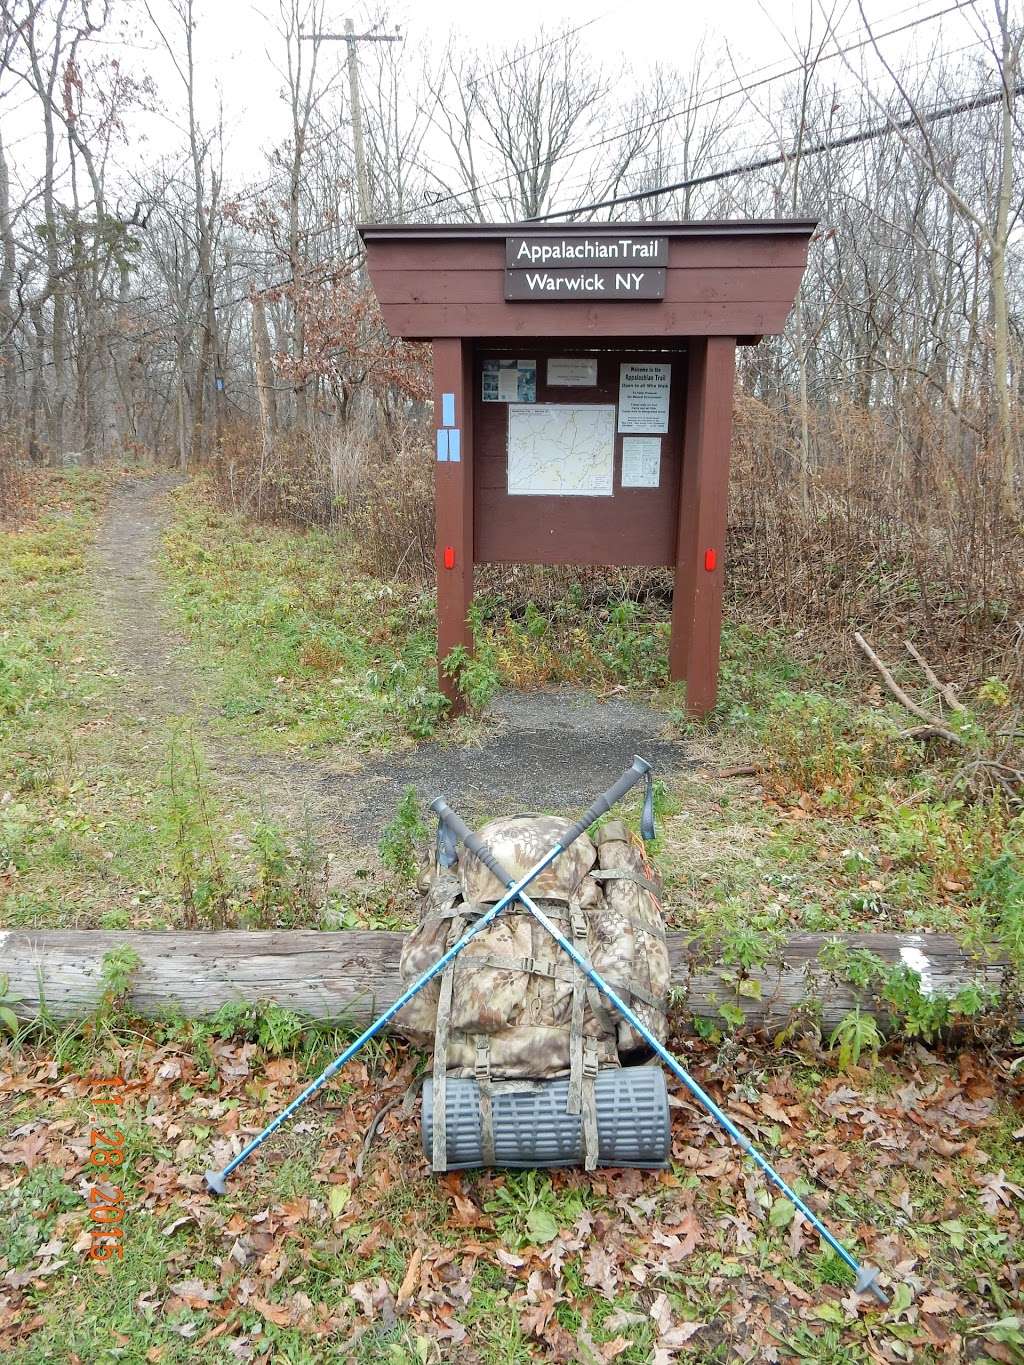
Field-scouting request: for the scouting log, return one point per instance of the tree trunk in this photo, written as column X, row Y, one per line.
column 353, row 976
column 264, row 372
column 1000, row 311
column 8, row 317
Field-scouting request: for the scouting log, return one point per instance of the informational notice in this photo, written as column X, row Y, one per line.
column 509, row 381
column 561, row 450
column 567, row 373
column 643, row 397
column 641, row 461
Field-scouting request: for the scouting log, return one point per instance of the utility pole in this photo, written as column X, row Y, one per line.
column 352, row 38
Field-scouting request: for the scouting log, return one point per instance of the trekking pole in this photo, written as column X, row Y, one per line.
column 866, row 1275
column 640, row 769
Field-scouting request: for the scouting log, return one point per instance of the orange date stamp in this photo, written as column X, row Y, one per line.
column 107, row 1156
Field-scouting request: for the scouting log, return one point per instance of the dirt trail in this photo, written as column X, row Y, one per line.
column 542, row 751
column 129, row 588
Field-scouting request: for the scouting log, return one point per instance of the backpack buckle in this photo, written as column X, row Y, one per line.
column 590, row 1062
column 482, row 1067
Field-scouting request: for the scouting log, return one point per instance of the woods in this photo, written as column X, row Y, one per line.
column 140, row 300
column 166, row 305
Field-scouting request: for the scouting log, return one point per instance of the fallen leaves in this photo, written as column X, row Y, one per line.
column 670, row 1335
column 660, row 1247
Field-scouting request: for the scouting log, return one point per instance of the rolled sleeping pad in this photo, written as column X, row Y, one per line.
column 531, row 1127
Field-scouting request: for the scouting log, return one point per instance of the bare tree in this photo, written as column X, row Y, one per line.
column 518, row 128
column 995, row 217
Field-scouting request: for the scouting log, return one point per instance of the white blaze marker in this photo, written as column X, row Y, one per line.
column 913, row 958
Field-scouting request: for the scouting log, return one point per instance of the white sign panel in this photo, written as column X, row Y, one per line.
column 567, row 373
column 641, row 461
column 643, row 397
column 561, row 450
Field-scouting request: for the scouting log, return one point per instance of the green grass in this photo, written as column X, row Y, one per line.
column 108, row 818
column 297, row 648
column 73, row 829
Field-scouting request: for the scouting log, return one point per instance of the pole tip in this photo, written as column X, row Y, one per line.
column 868, row 1280
column 216, row 1182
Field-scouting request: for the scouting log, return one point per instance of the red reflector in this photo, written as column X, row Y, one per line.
column 449, row 556
column 710, row 559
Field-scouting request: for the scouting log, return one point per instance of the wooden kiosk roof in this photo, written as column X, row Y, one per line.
column 723, row 278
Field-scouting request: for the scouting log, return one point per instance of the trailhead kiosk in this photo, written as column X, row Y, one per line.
column 583, row 389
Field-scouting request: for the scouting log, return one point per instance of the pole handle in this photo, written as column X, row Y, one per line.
column 472, row 841
column 638, row 771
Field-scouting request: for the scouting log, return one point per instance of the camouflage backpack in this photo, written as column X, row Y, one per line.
column 512, row 1007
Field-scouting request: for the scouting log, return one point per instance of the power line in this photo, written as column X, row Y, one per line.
column 558, row 38
column 835, row 92
column 830, row 145
column 742, row 87
column 862, row 135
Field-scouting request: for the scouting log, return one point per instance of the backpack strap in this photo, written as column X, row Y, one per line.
column 638, row 993
column 579, row 930
column 439, row 1152
column 482, row 1072
column 589, row 1105
column 624, row 874
column 529, row 966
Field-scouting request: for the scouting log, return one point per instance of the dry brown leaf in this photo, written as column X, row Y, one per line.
column 775, row 1111
column 996, row 1190
column 938, row 1303
column 194, row 1293
column 276, row 1313
column 615, row 1347
column 679, row 1336
column 600, row 1270
column 411, row 1279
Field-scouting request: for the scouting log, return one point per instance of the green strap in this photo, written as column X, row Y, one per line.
column 624, row 874
column 471, row 912
column 638, row 993
column 579, row 929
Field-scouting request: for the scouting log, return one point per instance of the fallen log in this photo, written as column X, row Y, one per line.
column 352, row 976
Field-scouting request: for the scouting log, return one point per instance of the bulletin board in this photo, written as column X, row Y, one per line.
column 620, row 514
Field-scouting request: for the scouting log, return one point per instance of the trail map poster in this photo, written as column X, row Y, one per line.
column 561, row 449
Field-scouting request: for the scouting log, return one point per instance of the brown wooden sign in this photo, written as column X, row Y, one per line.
column 554, row 252
column 589, row 285
column 646, row 386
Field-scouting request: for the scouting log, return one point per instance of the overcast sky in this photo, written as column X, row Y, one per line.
column 235, row 36
column 236, row 50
